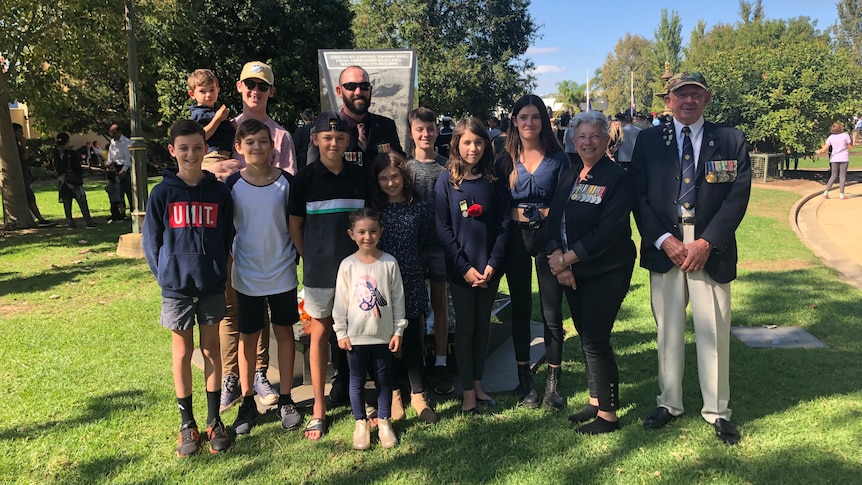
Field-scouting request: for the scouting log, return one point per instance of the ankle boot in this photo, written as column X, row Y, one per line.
column 386, row 434
column 397, row 406
column 552, row 400
column 526, row 387
column 419, row 401
column 361, row 435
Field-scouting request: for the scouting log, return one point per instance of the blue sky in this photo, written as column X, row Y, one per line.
column 578, row 35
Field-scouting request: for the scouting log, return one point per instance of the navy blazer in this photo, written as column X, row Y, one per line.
column 720, row 206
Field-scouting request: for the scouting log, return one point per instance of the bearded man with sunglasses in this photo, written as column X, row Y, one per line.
column 370, row 134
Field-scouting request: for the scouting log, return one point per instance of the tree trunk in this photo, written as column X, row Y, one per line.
column 16, row 210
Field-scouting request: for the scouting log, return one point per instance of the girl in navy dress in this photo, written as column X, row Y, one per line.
column 405, row 216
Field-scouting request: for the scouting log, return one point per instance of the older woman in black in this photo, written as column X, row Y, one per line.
column 590, row 251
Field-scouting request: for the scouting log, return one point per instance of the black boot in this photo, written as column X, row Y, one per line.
column 552, row 400
column 526, row 387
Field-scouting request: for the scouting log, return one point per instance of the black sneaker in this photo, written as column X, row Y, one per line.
column 290, row 417
column 71, row 226
column 444, row 384
column 245, row 418
column 92, row 225
column 190, row 440
column 220, row 438
column 47, row 223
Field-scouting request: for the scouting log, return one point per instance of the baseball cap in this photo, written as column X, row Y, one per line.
column 330, row 121
column 693, row 78
column 258, row 70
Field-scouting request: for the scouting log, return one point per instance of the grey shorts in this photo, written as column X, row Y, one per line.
column 181, row 313
column 434, row 264
column 318, row 302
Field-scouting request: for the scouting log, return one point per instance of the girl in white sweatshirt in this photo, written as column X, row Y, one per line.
column 369, row 320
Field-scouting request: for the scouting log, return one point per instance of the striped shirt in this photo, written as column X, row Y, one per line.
column 325, row 200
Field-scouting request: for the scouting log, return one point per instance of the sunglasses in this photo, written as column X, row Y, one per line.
column 260, row 85
column 365, row 86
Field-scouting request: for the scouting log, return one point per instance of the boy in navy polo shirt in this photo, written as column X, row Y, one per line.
column 186, row 239
column 321, row 198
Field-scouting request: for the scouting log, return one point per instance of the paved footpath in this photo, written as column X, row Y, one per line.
column 832, row 228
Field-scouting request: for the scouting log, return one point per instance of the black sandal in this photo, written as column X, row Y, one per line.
column 316, row 424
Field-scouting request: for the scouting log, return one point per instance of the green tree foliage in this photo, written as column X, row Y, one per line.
column 667, row 46
column 631, row 54
column 222, row 35
column 68, row 62
column 780, row 81
column 848, row 28
column 68, row 65
column 571, row 94
column 667, row 50
column 751, row 12
column 470, row 52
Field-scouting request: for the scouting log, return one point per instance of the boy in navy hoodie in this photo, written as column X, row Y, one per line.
column 186, row 239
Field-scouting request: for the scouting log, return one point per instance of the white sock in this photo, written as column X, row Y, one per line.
column 440, row 361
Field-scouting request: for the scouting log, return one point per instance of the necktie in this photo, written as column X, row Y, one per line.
column 362, row 140
column 686, row 186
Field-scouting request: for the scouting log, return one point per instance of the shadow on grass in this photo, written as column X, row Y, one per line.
column 95, row 409
column 105, row 236
column 813, row 298
column 53, row 277
column 497, row 448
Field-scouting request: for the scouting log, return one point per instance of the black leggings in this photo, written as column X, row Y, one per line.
column 472, row 327
column 594, row 305
column 519, row 273
column 412, row 355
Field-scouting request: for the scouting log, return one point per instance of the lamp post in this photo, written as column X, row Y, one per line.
column 130, row 244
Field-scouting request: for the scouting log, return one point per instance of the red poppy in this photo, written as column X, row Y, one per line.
column 475, row 210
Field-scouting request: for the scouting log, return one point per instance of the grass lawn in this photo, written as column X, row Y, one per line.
column 88, row 396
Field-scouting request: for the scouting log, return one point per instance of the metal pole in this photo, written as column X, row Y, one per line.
column 138, row 146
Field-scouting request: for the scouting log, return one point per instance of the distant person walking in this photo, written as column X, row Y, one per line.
column 70, row 179
column 841, row 144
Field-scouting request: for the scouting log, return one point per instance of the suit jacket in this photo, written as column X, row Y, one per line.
column 381, row 130
column 719, row 206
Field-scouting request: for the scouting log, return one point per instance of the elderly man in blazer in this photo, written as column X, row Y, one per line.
column 692, row 182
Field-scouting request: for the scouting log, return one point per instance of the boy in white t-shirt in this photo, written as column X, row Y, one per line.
column 264, row 269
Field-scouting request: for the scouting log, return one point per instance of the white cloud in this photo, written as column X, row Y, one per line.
column 549, row 69
column 542, row 50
